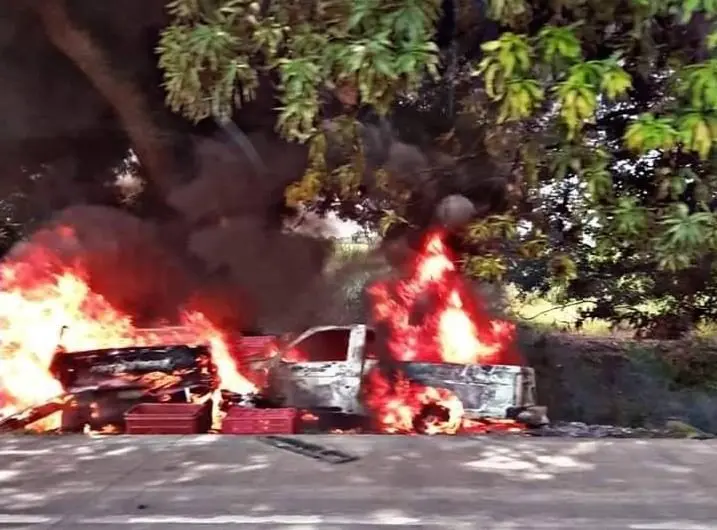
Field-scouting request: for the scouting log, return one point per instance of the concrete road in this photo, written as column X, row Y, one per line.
column 208, row 482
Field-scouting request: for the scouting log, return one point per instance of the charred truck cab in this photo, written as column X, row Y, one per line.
column 342, row 355
column 332, row 380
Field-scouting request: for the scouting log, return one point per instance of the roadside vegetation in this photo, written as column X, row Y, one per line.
column 580, row 133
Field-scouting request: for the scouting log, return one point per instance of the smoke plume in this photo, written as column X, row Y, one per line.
column 227, row 253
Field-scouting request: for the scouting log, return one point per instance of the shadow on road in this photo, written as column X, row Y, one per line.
column 103, row 481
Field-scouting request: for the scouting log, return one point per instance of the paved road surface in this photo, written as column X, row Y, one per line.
column 213, row 482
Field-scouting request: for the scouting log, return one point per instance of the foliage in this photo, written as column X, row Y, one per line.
column 612, row 105
column 363, row 53
column 214, row 52
column 622, row 107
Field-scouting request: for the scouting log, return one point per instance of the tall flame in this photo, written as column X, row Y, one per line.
column 430, row 316
column 44, row 304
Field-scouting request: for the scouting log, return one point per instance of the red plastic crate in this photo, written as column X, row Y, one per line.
column 252, row 346
column 242, row 420
column 169, row 418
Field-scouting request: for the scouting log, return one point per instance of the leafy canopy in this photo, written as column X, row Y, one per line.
column 612, row 102
column 619, row 99
column 214, row 52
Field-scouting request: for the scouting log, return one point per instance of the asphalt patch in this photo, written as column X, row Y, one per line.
column 311, row 450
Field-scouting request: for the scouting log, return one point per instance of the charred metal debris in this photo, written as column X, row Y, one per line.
column 102, row 385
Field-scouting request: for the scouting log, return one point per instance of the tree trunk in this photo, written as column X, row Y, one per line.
column 130, row 105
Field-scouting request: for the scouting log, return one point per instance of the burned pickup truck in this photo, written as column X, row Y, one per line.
column 340, row 356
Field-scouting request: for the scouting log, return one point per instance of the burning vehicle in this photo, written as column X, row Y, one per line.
column 106, row 383
column 442, row 364
column 305, row 376
column 434, row 361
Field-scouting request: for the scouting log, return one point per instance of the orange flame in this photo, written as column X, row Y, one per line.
column 405, row 407
column 431, row 316
column 40, row 300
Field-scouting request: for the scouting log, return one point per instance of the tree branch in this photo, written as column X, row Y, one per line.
column 126, row 99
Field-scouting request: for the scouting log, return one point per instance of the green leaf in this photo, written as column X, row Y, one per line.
column 649, row 133
column 696, row 132
column 615, row 82
column 491, row 46
column 559, row 45
column 630, row 219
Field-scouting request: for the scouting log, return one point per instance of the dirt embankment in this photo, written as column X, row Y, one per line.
column 624, row 382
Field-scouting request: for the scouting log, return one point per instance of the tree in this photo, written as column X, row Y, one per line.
column 61, row 142
column 581, row 130
column 330, row 61
column 613, row 104
column 81, row 97
column 618, row 99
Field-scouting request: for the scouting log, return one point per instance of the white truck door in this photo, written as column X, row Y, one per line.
column 357, row 342
column 351, row 384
